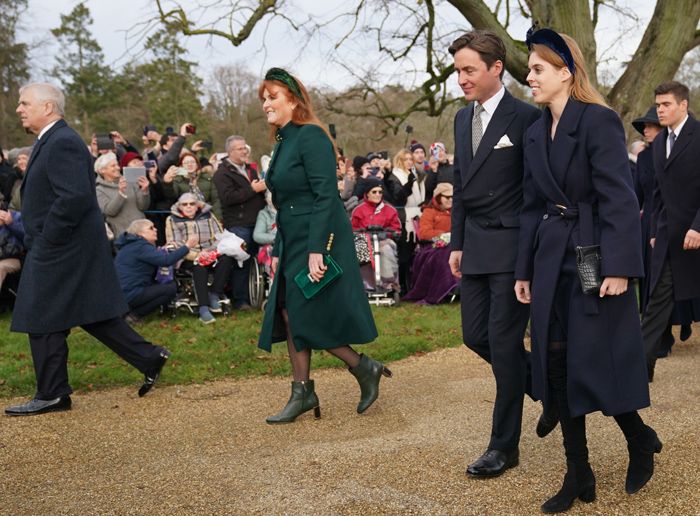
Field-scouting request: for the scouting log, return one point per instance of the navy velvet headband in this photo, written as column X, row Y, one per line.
column 553, row 41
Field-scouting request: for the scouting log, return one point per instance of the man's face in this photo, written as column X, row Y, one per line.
column 419, row 156
column 478, row 82
column 238, row 152
column 33, row 113
column 670, row 111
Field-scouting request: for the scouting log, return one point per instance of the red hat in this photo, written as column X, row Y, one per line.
column 126, row 158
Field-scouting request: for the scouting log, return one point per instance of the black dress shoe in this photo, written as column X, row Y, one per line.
column 35, row 406
column 686, row 332
column 493, row 463
column 152, row 375
column 548, row 421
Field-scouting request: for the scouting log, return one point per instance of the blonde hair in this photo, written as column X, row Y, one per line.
column 399, row 157
column 580, row 87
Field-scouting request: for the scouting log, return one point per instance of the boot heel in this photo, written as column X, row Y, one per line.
column 387, row 372
column 317, row 412
column 587, row 495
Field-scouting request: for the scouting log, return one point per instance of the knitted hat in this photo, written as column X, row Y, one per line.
column 358, row 161
column 126, row 158
column 415, row 146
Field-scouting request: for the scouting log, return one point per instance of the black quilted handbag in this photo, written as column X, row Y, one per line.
column 588, row 265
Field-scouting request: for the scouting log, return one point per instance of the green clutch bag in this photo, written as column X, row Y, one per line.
column 311, row 288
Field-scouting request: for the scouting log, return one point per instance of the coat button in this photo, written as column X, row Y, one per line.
column 491, row 192
column 545, row 216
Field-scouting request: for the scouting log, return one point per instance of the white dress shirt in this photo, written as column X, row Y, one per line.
column 46, row 128
column 490, row 107
column 676, row 131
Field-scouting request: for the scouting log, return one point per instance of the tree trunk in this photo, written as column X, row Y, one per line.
column 670, row 34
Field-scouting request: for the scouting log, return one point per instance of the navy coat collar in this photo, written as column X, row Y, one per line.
column 37, row 148
column 555, row 164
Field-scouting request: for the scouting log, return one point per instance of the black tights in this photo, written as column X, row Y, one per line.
column 301, row 360
column 574, row 428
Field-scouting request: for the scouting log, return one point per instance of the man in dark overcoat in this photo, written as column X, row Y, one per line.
column 68, row 277
column 488, row 173
column 675, row 227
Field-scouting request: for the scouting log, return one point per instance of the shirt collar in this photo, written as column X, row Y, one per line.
column 491, row 104
column 678, row 128
column 46, row 128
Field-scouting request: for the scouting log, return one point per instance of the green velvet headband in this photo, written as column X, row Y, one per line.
column 278, row 74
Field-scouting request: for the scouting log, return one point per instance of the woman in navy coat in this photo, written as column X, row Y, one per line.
column 587, row 348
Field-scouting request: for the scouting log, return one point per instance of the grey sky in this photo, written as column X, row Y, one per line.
column 112, row 20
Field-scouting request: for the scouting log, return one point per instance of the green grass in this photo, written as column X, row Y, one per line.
column 226, row 349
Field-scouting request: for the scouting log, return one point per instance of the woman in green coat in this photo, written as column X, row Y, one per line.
column 311, row 223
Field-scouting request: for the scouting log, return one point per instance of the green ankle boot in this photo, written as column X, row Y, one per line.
column 368, row 373
column 302, row 400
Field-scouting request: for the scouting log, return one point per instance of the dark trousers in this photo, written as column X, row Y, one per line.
column 200, row 278
column 493, row 326
column 239, row 275
column 50, row 354
column 657, row 313
column 153, row 297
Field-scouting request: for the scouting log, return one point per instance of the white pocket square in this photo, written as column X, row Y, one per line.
column 503, row 142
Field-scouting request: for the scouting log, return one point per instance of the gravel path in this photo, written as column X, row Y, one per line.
column 205, row 449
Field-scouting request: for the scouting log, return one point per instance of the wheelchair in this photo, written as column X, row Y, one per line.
column 259, row 279
column 186, row 297
column 378, row 293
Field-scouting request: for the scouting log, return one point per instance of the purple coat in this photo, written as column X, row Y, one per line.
column 587, row 164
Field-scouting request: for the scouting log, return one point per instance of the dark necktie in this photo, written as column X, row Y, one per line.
column 477, row 127
column 671, row 141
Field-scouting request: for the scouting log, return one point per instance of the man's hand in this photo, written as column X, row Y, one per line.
column 433, row 164
column 522, row 291
column 117, row 138
column 316, row 266
column 258, row 185
column 143, row 184
column 613, row 286
column 692, row 240
column 197, row 146
column 455, row 262
column 183, row 129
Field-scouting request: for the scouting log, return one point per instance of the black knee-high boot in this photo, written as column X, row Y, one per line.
column 642, row 444
column 579, row 481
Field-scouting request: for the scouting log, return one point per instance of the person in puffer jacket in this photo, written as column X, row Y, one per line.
column 137, row 262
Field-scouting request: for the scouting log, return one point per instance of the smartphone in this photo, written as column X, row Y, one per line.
column 436, row 152
column 191, row 129
column 181, row 172
column 374, row 171
column 149, row 164
column 104, row 141
column 132, row 174
column 207, row 144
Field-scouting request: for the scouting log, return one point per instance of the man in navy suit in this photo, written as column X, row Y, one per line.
column 68, row 277
column 675, row 224
column 488, row 173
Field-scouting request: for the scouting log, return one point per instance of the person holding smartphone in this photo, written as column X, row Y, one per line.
column 120, row 201
column 188, row 177
column 312, row 225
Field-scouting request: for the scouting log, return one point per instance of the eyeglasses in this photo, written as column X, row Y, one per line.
column 375, row 192
column 188, row 204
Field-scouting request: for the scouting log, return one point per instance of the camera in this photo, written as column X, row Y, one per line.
column 206, row 144
column 181, row 172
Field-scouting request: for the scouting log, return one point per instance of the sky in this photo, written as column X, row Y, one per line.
column 117, row 25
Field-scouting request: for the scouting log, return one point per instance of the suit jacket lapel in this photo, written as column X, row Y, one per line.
column 501, row 119
column 565, row 141
column 682, row 141
column 466, row 142
column 536, row 150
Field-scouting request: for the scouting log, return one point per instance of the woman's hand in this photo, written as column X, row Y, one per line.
column 274, row 263
column 122, row 185
column 316, row 266
column 522, row 291
column 170, row 174
column 143, row 184
column 192, row 241
column 613, row 286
